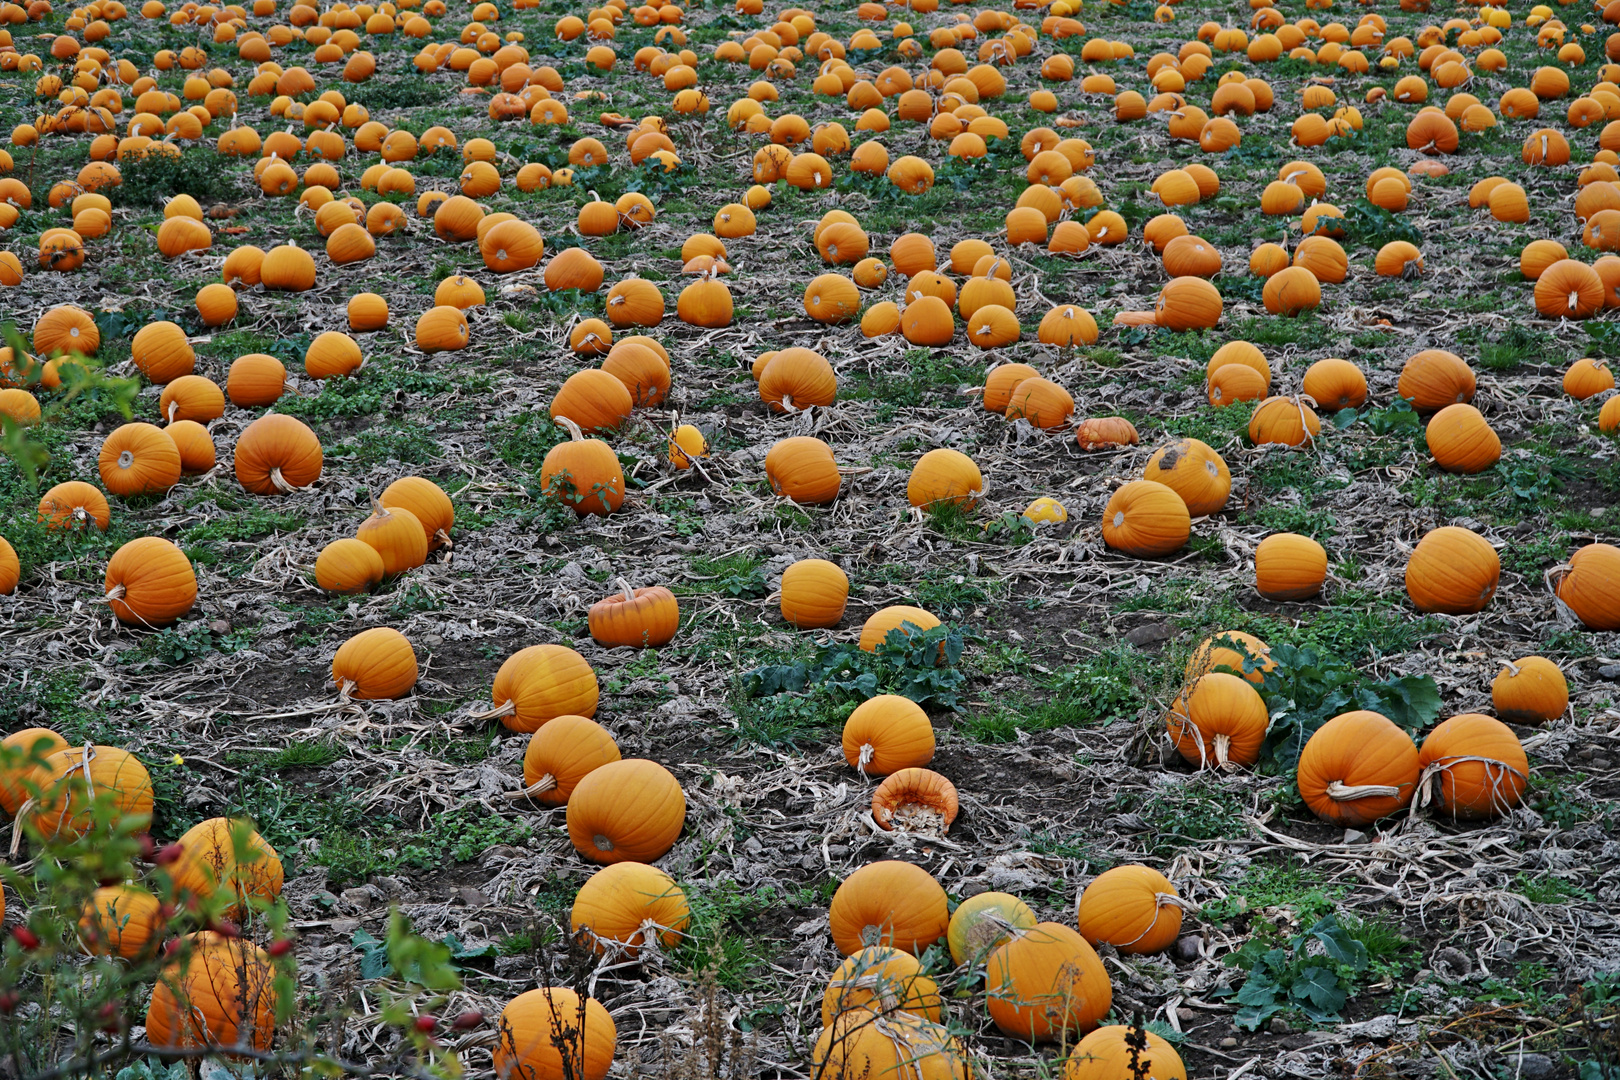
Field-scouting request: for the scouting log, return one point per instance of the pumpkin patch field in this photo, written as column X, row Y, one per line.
column 711, row 540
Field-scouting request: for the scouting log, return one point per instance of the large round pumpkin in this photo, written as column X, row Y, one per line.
column 1472, row 767
column 1146, row 519
column 1591, row 587
column 1046, row 984
column 1452, row 570
column 1357, row 768
column 537, row 1028
column 1133, row 908
column 629, row 810
column 888, row 903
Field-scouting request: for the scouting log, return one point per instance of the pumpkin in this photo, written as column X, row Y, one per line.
column 1067, row 325
column 161, row 352
column 1046, row 984
column 216, row 304
column 428, row 502
column 1398, row 258
column 442, row 328
column 1569, row 290
column 596, row 400
column 1000, row 383
column 277, row 454
column 802, row 468
column 1356, row 768
column 1335, row 384
column 944, row 477
column 561, row 753
column 814, row 594
column 1292, row 291
column 1591, row 587
column 150, row 581
column 215, row 992
column 1106, row 432
column 1472, row 768
column 540, row 682
column 1188, row 303
column 511, row 246
column 227, row 861
column 982, row 923
column 1193, row 470
column 626, row 811
column 123, row 921
column 349, row 566
column 862, row 1043
column 1461, row 440
column 1588, row 378
column 687, row 446
column 73, row 780
column 1452, row 570
column 1530, row 690
column 536, row 1029
column 1191, row 256
column 195, row 445
column 1133, row 908
column 255, row 380
column 573, row 268
column 332, row 355
column 1146, row 519
column 915, row 800
column 1233, row 651
column 289, row 268
column 1042, row 402
column 887, row 733
column 1285, row 420
column 635, row 302
column 191, row 397
column 644, row 372
column 1288, row 566
column 583, row 473
column 897, row 618
column 375, row 665
column 927, row 321
column 67, row 329
column 22, row 760
column 1106, row 1054
column 882, row 978
column 74, row 504
column 1219, row 723
column 635, row 618
column 19, row 406
column 1433, row 379
column 138, row 459
column 626, row 905
column 891, row 903
column 397, row 535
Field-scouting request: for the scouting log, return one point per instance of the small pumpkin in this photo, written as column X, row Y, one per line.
column 375, row 665
column 397, row 535
column 1461, row 440
column 138, row 459
column 1285, row 420
column 540, row 682
column 1108, row 1054
column 73, row 504
column 629, row 810
column 944, row 477
column 215, row 992
column 22, row 762
column 1106, row 432
column 891, row 903
column 594, row 399
column 814, row 593
column 1133, row 908
column 332, row 355
column 348, row 565
column 1042, row 402
column 627, row 905
column 226, row 860
column 561, row 753
column 644, row 372
column 123, row 921
column 1193, row 470
column 277, row 454
column 882, row 978
column 538, row 1027
column 1435, row 378
column 1356, row 768
column 1472, row 767
column 1000, row 383
column 1335, row 384
column 1046, row 984
column 887, row 733
column 1146, row 519
column 1530, row 690
column 1452, row 570
column 255, row 381
column 1220, row 722
column 428, row 502
column 1288, row 566
column 635, row 618
column 150, row 582
column 797, row 378
column 897, row 618
column 802, row 468
column 984, row 922
column 584, row 474
column 1587, row 378
column 1233, row 651
column 915, row 800
column 1591, row 587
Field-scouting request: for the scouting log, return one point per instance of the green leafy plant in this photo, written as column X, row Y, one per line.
column 921, row 665
column 1312, row 973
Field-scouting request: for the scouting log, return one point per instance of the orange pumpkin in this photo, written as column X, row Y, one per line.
column 1133, row 908
column 888, row 733
column 1146, row 519
column 1472, row 767
column 628, row 810
column 1356, row 768
column 888, row 903
column 1452, row 570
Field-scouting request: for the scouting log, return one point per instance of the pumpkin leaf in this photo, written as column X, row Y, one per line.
column 1318, row 993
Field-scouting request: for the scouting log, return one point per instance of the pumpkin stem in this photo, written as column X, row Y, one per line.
column 573, row 429
column 1339, row 791
column 116, row 593
column 629, row 593
column 344, row 687
column 865, row 758
column 505, row 709
column 1513, row 669
column 23, row 812
column 544, row 784
column 1223, row 749
column 280, row 481
column 443, row 538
